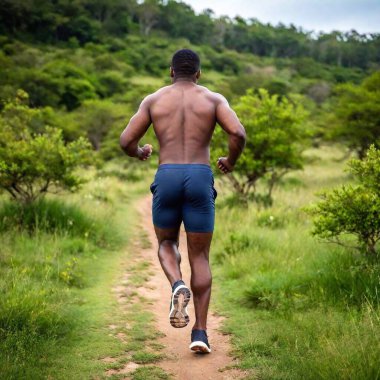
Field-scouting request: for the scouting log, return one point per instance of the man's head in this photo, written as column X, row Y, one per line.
column 185, row 64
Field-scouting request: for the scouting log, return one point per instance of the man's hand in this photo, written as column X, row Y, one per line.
column 145, row 152
column 224, row 165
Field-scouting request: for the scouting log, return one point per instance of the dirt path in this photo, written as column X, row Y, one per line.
column 179, row 361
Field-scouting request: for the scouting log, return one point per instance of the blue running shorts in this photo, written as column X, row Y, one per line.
column 184, row 192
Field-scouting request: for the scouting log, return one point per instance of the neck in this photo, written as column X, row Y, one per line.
column 184, row 79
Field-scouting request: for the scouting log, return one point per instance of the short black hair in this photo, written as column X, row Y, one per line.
column 185, row 62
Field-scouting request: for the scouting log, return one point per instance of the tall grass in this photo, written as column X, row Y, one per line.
column 299, row 308
column 51, row 253
column 55, row 217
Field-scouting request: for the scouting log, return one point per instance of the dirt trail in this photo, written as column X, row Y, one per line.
column 179, row 361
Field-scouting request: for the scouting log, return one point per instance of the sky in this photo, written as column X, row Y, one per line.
column 317, row 15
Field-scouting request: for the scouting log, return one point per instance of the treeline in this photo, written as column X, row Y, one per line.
column 55, row 21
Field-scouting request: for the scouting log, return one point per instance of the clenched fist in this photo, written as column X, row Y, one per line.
column 224, row 165
column 145, row 152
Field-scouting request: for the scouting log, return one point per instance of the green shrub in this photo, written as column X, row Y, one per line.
column 354, row 209
column 34, row 159
column 358, row 115
column 276, row 140
column 112, row 82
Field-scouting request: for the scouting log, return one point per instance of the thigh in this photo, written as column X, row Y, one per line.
column 171, row 234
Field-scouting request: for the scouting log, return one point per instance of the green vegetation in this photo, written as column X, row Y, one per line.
column 72, row 73
column 297, row 308
column 50, row 289
column 358, row 111
column 353, row 210
column 33, row 157
column 58, row 262
column 276, row 139
column 91, row 21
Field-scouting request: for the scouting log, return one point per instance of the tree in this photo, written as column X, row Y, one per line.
column 353, row 209
column 33, row 157
column 95, row 119
column 148, row 13
column 274, row 145
column 358, row 115
column 180, row 20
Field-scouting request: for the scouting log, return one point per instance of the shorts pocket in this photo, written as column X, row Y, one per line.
column 214, row 192
column 153, row 187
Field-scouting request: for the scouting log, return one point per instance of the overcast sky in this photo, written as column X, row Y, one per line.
column 317, row 15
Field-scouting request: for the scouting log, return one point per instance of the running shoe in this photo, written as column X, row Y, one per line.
column 199, row 342
column 178, row 306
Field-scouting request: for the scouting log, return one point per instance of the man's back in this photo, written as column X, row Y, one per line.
column 184, row 118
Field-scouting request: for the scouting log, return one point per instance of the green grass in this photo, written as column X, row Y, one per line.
column 150, row 373
column 147, row 80
column 56, row 217
column 298, row 308
column 51, row 298
column 59, row 260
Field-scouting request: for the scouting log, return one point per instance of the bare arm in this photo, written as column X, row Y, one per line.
column 135, row 130
column 230, row 123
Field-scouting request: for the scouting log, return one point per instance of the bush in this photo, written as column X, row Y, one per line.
column 353, row 210
column 112, row 82
column 358, row 115
column 98, row 120
column 34, row 159
column 275, row 142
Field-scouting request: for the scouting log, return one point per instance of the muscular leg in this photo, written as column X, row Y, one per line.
column 168, row 253
column 198, row 246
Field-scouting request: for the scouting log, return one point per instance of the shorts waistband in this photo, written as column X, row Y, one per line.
column 184, row 166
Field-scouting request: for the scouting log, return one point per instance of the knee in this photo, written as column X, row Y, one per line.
column 167, row 243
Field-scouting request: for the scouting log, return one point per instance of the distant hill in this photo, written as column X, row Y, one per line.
column 84, row 21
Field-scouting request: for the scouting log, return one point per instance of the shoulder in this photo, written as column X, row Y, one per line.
column 151, row 98
column 214, row 96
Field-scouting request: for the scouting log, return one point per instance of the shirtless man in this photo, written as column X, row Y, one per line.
column 184, row 116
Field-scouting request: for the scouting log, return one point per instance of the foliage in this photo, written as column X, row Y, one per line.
column 358, row 114
column 33, row 157
column 58, row 218
column 353, row 209
column 276, row 135
column 91, row 21
column 295, row 308
column 90, row 80
column 97, row 120
column 57, row 270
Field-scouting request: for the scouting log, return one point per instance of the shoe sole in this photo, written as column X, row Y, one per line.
column 200, row 347
column 178, row 316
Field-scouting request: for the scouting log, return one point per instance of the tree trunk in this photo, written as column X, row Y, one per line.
column 371, row 248
column 241, row 189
